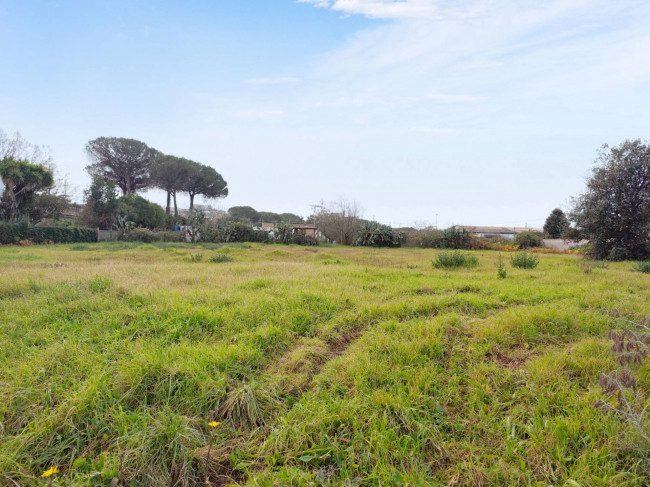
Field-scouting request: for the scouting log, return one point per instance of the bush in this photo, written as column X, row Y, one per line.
column 643, row 267
column 528, row 240
column 451, row 260
column 220, row 258
column 141, row 212
column 373, row 234
column 524, row 260
column 148, row 236
column 241, row 232
column 302, row 239
column 14, row 233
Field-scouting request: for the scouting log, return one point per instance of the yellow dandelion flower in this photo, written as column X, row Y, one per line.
column 50, row 471
column 214, row 424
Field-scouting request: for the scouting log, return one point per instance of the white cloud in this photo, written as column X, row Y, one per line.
column 286, row 80
column 402, row 9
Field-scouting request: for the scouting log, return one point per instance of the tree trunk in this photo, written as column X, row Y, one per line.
column 175, row 205
column 169, row 197
column 192, row 201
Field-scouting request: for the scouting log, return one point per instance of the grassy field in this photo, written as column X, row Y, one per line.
column 323, row 366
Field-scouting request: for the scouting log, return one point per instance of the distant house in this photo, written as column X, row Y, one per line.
column 505, row 232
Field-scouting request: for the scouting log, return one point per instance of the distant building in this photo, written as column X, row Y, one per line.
column 505, row 232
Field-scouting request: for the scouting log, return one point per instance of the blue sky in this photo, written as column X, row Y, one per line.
column 479, row 112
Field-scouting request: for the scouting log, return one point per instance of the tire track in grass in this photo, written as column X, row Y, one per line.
column 286, row 380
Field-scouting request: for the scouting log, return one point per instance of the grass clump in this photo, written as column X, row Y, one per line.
column 524, row 260
column 221, row 258
column 643, row 267
column 195, row 258
column 452, row 260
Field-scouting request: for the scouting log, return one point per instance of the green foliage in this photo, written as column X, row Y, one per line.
column 22, row 181
column 101, row 203
column 643, row 267
column 524, row 260
column 529, row 240
column 148, row 236
column 127, row 162
column 451, row 238
column 11, row 233
column 240, row 232
column 141, row 212
column 556, row 224
column 452, row 260
column 373, row 234
column 204, row 180
column 501, row 269
column 221, row 258
column 244, row 214
column 614, row 212
column 455, row 238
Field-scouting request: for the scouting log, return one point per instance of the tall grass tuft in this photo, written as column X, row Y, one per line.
column 221, row 258
column 524, row 260
column 452, row 260
column 247, row 405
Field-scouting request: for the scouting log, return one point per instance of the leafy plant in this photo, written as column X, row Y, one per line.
column 451, row 260
column 220, row 258
column 529, row 240
column 501, row 269
column 524, row 260
column 195, row 258
column 373, row 234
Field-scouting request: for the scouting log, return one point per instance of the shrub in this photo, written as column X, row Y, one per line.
column 241, row 232
column 528, row 240
column 139, row 235
column 373, row 234
column 141, row 212
column 451, row 260
column 501, row 269
column 220, row 258
column 456, row 238
column 302, row 239
column 524, row 260
column 195, row 258
column 14, row 233
column 643, row 267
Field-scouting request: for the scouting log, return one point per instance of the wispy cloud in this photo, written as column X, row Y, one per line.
column 280, row 80
column 402, row 9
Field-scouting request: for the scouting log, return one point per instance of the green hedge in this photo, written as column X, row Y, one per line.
column 13, row 234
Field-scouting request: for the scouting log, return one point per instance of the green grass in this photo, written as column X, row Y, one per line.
column 324, row 366
column 643, row 267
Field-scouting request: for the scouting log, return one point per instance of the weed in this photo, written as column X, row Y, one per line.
column 524, row 260
column 195, row 258
column 452, row 260
column 220, row 258
column 501, row 269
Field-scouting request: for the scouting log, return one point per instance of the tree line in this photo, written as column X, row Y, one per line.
column 134, row 166
column 613, row 213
